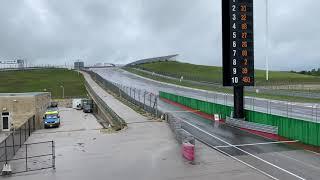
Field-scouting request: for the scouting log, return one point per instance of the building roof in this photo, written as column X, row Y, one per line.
column 29, row 94
column 155, row 59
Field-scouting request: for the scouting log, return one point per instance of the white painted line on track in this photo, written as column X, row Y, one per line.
column 284, row 170
column 301, row 162
column 254, row 144
column 250, row 166
column 313, row 152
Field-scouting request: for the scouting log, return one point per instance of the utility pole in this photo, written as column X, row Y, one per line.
column 62, row 91
column 267, row 40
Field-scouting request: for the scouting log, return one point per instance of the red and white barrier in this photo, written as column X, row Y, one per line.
column 188, row 151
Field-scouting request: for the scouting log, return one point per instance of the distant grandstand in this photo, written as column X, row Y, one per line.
column 156, row 59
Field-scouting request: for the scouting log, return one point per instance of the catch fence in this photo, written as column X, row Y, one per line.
column 143, row 99
column 23, row 157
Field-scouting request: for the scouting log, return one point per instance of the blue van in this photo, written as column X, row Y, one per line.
column 51, row 119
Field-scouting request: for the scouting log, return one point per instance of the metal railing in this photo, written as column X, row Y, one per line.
column 140, row 98
column 12, row 143
column 252, row 126
column 115, row 121
column 181, row 134
column 15, row 152
column 30, row 157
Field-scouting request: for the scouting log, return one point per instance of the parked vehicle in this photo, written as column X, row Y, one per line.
column 77, row 104
column 54, row 104
column 87, row 105
column 51, row 119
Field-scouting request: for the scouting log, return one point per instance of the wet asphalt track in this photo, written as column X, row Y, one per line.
column 280, row 161
column 305, row 111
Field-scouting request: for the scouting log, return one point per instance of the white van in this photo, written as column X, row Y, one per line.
column 77, row 104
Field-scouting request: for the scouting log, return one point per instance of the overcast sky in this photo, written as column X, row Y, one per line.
column 121, row 31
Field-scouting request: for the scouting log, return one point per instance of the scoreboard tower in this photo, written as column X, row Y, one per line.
column 238, row 49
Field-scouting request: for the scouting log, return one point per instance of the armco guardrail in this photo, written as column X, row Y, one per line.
column 115, row 121
column 252, row 125
column 181, row 135
column 142, row 99
column 291, row 128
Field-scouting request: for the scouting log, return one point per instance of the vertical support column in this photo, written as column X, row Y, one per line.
column 156, row 106
column 150, row 100
column 139, row 96
column 13, row 144
column 53, row 155
column 20, row 136
column 25, row 132
column 238, row 102
column 144, row 100
column 134, row 93
column 26, row 157
column 5, row 150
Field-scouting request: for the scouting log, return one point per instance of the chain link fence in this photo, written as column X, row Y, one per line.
column 143, row 99
column 31, row 157
column 115, row 120
column 24, row 157
column 12, row 143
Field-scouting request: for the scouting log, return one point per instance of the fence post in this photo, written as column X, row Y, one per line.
column 5, row 150
column 287, row 109
column 144, row 100
column 29, row 127
column 291, row 109
column 20, row 136
column 139, row 95
column 317, row 109
column 134, row 93
column 25, row 132
column 150, row 99
column 130, row 91
column 14, row 152
column 156, row 108
column 27, row 157
column 53, row 155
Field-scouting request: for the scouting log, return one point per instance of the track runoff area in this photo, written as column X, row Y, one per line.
column 254, row 155
column 238, row 71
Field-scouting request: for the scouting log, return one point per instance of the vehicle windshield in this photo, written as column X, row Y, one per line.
column 51, row 116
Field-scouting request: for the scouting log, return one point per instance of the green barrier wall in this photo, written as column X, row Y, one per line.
column 295, row 129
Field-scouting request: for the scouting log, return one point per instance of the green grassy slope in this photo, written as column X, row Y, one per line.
column 214, row 74
column 48, row 80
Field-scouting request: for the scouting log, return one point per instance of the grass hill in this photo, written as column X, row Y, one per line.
column 49, row 80
column 214, row 74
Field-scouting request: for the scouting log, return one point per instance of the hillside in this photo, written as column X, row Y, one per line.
column 49, row 80
column 214, row 74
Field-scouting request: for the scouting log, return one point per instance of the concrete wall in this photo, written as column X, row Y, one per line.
column 22, row 107
column 42, row 102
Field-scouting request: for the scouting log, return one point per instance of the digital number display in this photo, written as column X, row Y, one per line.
column 238, row 42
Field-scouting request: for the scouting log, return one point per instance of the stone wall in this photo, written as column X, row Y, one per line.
column 21, row 108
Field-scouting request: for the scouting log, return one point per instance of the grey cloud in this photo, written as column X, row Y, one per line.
column 121, row 31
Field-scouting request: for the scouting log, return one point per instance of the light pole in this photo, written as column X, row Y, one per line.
column 62, row 91
column 267, row 40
